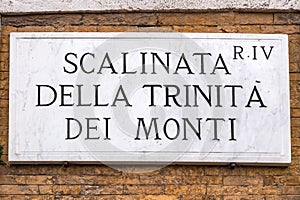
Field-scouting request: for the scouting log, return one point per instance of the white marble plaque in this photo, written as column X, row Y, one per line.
column 149, row 98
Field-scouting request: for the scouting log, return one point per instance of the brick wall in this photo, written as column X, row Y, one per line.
column 172, row 182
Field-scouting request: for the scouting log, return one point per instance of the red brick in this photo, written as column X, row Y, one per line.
column 60, row 189
column 119, row 19
column 201, row 197
column 243, row 181
column 11, row 179
column 295, row 122
column 143, row 189
column 254, row 18
column 154, row 179
column 296, row 142
column 19, row 189
column 183, row 170
column 282, row 197
column 39, row 180
column 102, row 189
column 244, row 197
column 286, row 18
column 226, row 190
column 202, row 180
column 185, row 189
column 294, row 190
column 195, row 18
column 41, row 20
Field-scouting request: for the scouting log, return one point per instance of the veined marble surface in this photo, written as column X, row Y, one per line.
column 92, row 97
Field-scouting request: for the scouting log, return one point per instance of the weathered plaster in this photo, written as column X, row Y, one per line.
column 38, row 6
